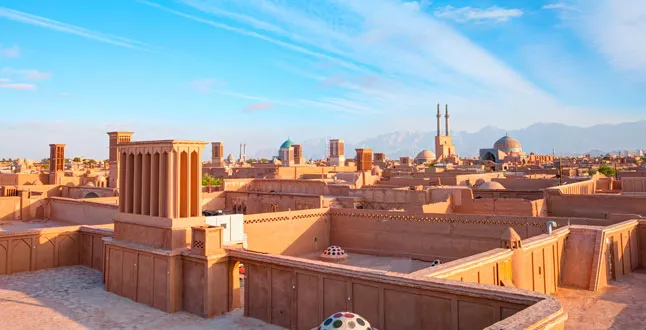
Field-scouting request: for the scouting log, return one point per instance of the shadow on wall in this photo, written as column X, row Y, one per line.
column 289, row 233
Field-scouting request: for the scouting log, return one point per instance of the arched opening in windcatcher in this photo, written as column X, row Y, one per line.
column 91, row 194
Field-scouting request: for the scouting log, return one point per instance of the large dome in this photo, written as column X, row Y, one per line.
column 288, row 143
column 425, row 156
column 508, row 144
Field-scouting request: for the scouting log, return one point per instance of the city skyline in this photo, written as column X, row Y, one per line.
column 259, row 72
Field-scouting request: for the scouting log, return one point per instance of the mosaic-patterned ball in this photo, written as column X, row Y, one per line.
column 344, row 321
column 334, row 251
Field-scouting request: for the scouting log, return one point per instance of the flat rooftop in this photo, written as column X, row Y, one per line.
column 14, row 226
column 74, row 298
column 389, row 264
column 621, row 305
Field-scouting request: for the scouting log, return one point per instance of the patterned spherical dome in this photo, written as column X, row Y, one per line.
column 334, row 253
column 425, row 156
column 508, row 144
column 344, row 321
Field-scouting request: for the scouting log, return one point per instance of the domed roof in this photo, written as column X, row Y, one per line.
column 344, row 321
column 508, row 144
column 334, row 253
column 288, row 143
column 492, row 185
column 425, row 155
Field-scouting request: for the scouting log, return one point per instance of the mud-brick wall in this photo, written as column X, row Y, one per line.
column 145, row 276
column 82, row 212
column 301, row 297
column 50, row 248
column 594, row 206
column 288, row 233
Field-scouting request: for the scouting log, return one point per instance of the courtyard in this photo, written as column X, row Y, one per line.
column 621, row 305
column 74, row 298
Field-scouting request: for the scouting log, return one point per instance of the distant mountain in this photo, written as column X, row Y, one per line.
column 540, row 138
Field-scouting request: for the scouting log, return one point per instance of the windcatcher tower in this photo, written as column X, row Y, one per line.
column 217, row 154
column 160, row 209
column 337, row 152
column 113, row 160
column 56, row 163
column 444, row 147
column 364, row 159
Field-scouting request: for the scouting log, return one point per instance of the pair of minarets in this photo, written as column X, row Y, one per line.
column 446, row 116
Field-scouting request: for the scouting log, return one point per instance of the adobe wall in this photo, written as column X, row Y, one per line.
column 82, row 212
column 297, row 294
column 537, row 265
column 594, row 206
column 502, row 206
column 439, row 207
column 633, row 184
column 26, row 206
column 254, row 203
column 214, row 200
column 18, row 179
column 148, row 276
column 578, row 257
column 586, row 187
column 47, row 190
column 9, row 208
column 44, row 248
column 431, row 236
column 87, row 192
column 491, row 267
column 388, row 199
column 235, row 184
column 404, row 182
column 296, row 172
column 523, row 194
column 624, row 253
column 513, row 183
column 288, row 233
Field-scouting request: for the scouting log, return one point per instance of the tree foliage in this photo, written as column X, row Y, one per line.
column 209, row 180
column 607, row 170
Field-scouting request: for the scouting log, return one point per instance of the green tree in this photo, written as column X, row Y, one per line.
column 607, row 170
column 209, row 180
column 77, row 159
column 592, row 171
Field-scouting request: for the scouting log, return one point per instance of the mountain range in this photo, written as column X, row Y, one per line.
column 540, row 138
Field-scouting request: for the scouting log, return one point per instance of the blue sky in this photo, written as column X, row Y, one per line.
column 258, row 71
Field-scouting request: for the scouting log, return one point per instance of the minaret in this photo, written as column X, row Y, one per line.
column 439, row 116
column 448, row 133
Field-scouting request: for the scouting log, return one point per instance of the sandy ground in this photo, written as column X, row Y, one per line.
column 622, row 305
column 74, row 298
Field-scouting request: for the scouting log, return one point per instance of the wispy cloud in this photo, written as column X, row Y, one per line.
column 10, row 52
column 205, row 85
column 257, row 107
column 29, row 74
column 559, row 6
column 383, row 58
column 18, row 86
column 416, row 5
column 4, row 80
column 617, row 30
column 51, row 24
column 469, row 14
